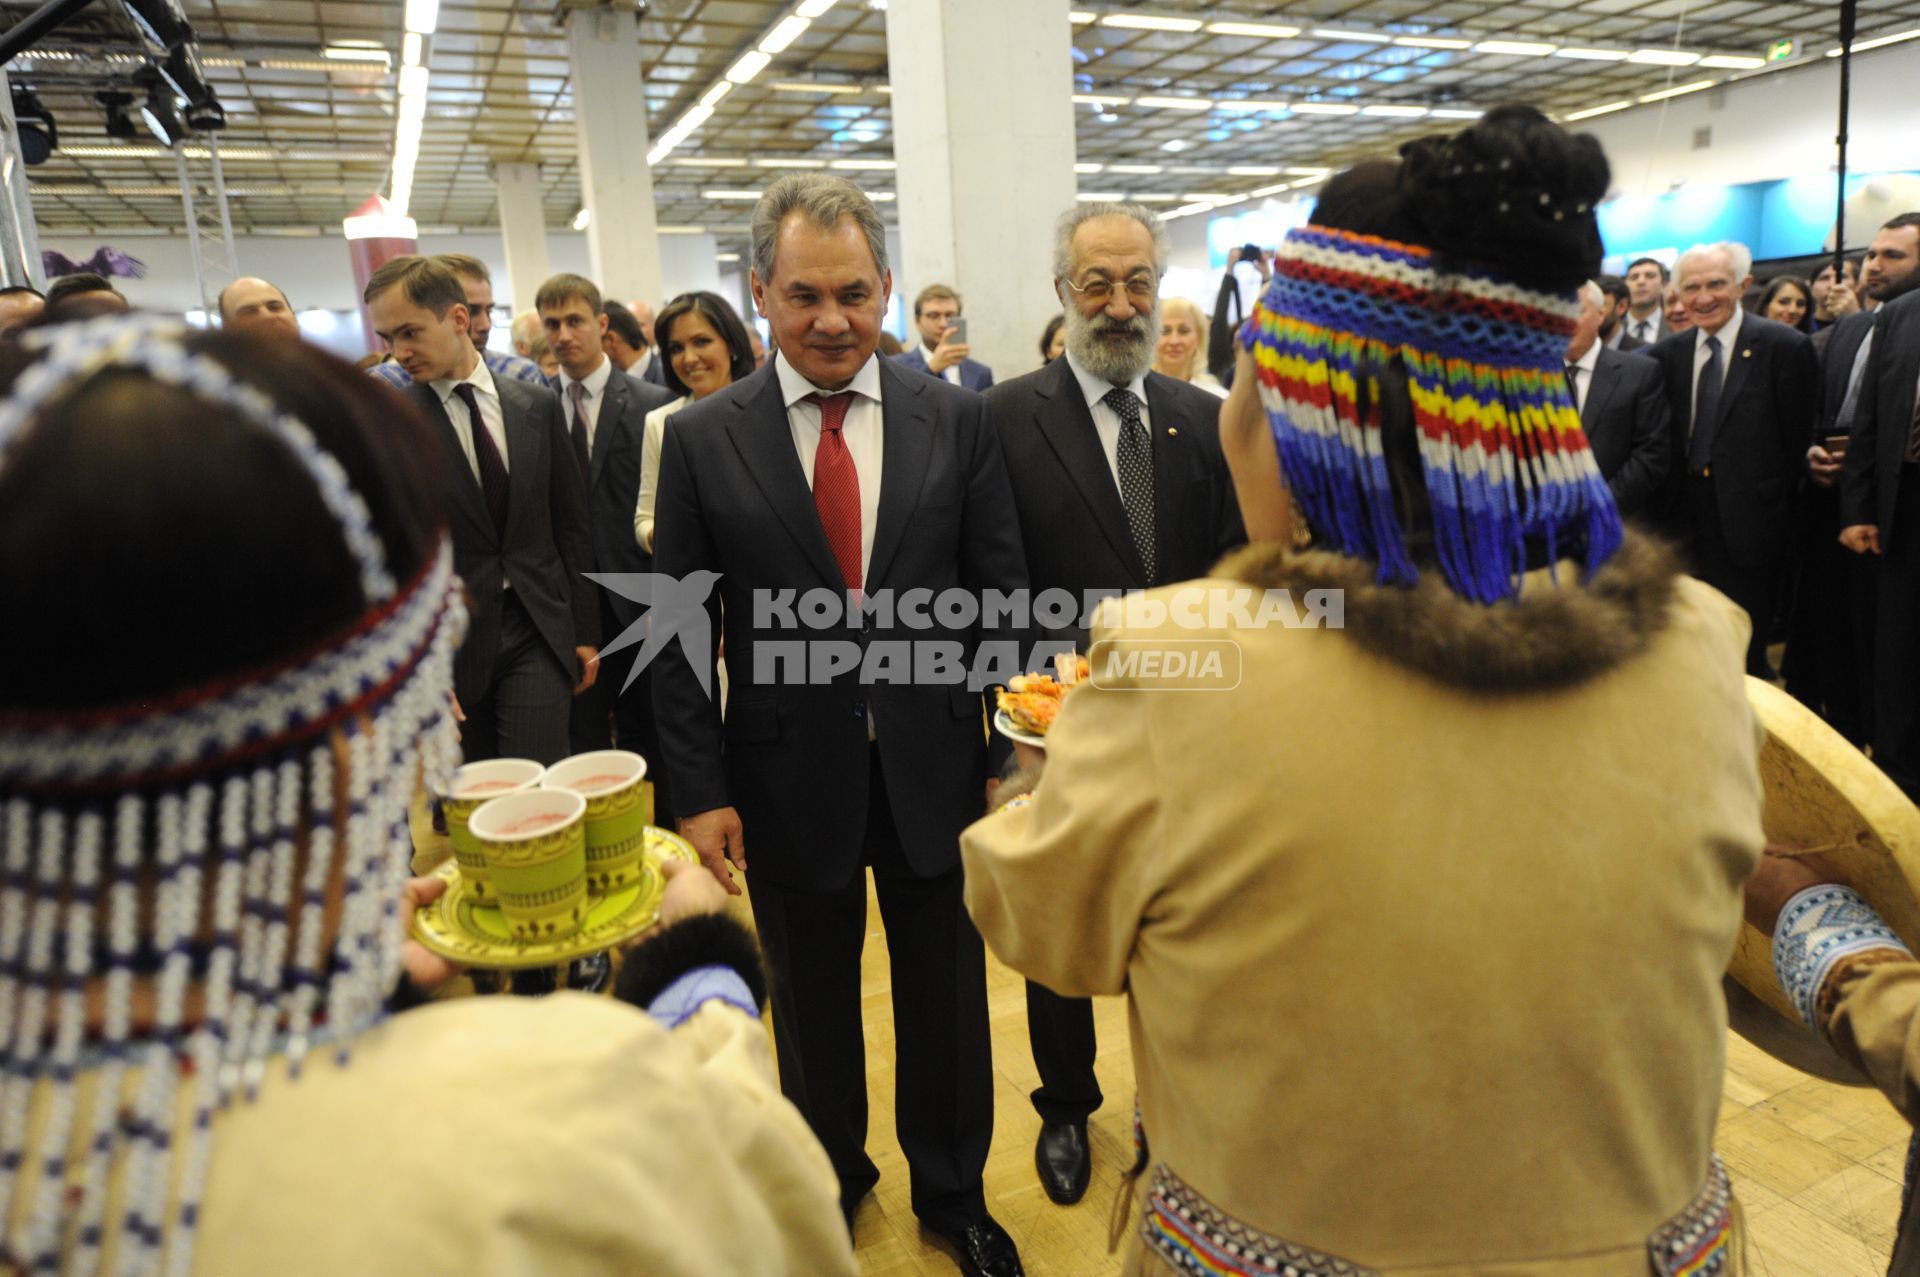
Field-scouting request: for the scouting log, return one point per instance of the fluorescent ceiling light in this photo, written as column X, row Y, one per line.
column 693, row 119
column 1229, row 201
column 1101, row 197
column 1663, row 57
column 881, row 197
column 1593, row 55
column 1155, row 197
column 679, row 230
column 1258, row 30
column 1395, row 110
column 1079, row 17
column 410, row 47
column 1088, row 168
column 1431, row 42
column 1211, row 197
column 1253, row 170
column 1148, row 22
column 1324, row 108
column 730, row 195
column 1134, row 168
column 718, row 90
column 1175, row 104
column 787, row 161
column 1455, row 113
column 862, row 165
column 1677, row 90
column 1592, row 111
column 712, row 161
column 1321, row 172
column 1198, row 206
column 1175, row 145
column 785, row 33
column 814, row 8
column 386, row 225
column 1264, row 191
column 1249, row 104
column 1880, row 42
column 356, row 53
column 321, row 64
column 581, row 219
column 1515, row 48
column 1100, row 99
column 423, row 16
column 748, row 66
column 1364, row 37
column 726, row 257
column 813, row 86
column 1732, row 62
column 413, row 81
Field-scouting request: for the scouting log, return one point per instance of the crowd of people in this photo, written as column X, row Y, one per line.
column 1422, row 925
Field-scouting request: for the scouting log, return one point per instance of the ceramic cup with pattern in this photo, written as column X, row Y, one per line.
column 619, row 809
column 472, row 785
column 536, row 851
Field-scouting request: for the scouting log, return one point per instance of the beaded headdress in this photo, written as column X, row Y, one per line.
column 1501, row 448
column 222, row 790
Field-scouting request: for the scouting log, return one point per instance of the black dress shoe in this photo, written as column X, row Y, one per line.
column 985, row 1250
column 1064, row 1163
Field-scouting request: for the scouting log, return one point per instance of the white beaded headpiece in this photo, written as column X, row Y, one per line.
column 221, row 785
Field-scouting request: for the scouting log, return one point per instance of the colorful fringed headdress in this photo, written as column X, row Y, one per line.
column 276, row 794
column 1504, row 458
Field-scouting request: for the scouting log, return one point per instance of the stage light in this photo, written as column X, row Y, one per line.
column 119, row 116
column 162, row 22
column 161, row 116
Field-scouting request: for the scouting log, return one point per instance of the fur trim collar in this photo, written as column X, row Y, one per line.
column 1551, row 637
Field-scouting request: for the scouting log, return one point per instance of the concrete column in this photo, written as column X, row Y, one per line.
column 523, row 230
column 687, row 264
column 983, row 139
column 610, row 119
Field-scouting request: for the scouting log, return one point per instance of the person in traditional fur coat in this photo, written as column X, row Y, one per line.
column 1422, row 918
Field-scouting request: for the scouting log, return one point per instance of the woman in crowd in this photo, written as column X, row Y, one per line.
column 1423, row 923
column 203, row 866
column 1053, row 340
column 1789, row 301
column 706, row 348
column 1182, row 350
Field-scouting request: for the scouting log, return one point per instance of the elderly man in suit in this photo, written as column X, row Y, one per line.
column 520, row 534
column 606, row 411
column 942, row 351
column 1623, row 408
column 1743, row 393
column 840, row 477
column 1094, row 521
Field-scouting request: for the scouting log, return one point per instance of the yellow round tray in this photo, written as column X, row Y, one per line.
column 475, row 935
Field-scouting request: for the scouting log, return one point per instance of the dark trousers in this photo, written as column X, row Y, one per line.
column 943, row 1064
column 1752, row 586
column 1896, row 641
column 1827, row 646
column 1061, row 1031
column 523, row 711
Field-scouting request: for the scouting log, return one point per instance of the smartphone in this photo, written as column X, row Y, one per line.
column 957, row 330
column 1836, row 444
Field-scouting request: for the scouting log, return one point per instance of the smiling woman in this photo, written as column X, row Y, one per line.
column 706, row 349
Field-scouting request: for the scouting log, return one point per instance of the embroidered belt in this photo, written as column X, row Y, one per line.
column 1195, row 1237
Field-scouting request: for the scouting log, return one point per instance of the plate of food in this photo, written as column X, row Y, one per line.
column 463, row 930
column 1030, row 702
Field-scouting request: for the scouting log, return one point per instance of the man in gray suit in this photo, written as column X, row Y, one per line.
column 606, row 411
column 1623, row 409
column 519, row 522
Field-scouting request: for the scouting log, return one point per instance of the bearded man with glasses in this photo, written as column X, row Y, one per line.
column 1121, row 485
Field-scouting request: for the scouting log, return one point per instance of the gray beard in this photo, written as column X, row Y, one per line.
column 1117, row 364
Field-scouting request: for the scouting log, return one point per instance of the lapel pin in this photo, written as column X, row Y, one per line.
column 1747, row 353
column 1172, row 431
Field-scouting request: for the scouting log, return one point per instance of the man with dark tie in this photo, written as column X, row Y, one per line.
column 1646, row 319
column 1623, row 408
column 627, row 344
column 1613, row 320
column 519, row 524
column 1742, row 393
column 1121, row 485
column 837, row 476
column 606, row 412
column 476, row 285
column 1880, row 505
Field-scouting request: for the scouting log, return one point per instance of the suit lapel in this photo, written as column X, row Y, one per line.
column 1738, row 361
column 613, row 403
column 906, row 440
column 524, row 446
column 1067, row 425
column 1171, row 432
column 466, row 487
column 764, row 440
column 1604, row 378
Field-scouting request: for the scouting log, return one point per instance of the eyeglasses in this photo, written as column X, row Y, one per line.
column 1099, row 289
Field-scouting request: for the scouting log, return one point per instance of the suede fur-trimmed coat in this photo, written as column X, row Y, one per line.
column 1423, row 923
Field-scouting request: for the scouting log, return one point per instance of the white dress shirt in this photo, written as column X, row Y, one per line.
column 1583, row 376
column 1729, row 336
column 952, row 372
column 655, row 435
column 490, row 414
column 1633, row 324
column 861, row 430
column 1106, row 422
column 593, row 386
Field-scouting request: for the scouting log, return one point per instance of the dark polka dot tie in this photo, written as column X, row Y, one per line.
column 1135, row 455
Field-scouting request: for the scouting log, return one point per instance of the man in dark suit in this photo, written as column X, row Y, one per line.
column 1646, row 319
column 1613, row 325
column 1880, row 505
column 942, row 351
column 606, row 412
column 1623, row 409
column 520, row 535
column 833, row 473
column 628, row 345
column 1743, row 393
column 1090, row 524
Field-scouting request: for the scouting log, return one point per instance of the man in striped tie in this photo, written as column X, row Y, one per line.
column 836, row 476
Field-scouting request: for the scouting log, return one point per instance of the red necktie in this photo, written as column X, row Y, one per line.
column 836, row 486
